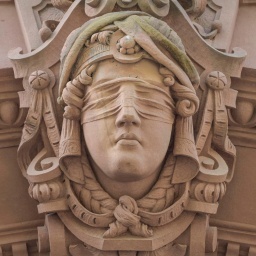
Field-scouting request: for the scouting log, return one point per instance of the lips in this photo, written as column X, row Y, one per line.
column 128, row 137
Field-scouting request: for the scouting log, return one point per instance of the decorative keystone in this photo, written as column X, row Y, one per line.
column 216, row 80
column 39, row 80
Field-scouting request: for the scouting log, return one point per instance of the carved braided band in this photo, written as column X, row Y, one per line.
column 103, row 220
column 86, row 216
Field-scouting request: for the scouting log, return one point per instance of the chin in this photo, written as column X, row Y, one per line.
column 127, row 172
column 124, row 176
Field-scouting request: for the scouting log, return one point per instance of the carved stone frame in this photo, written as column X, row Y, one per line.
column 63, row 231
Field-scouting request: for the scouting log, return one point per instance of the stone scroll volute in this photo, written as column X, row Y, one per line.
column 126, row 148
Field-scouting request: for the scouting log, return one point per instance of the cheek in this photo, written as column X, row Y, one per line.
column 158, row 138
column 92, row 136
column 98, row 134
column 158, row 143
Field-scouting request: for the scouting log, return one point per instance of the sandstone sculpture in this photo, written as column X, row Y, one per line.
column 150, row 163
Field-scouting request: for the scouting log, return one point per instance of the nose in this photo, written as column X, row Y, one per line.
column 128, row 116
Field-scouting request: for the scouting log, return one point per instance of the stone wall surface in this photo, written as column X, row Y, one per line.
column 11, row 34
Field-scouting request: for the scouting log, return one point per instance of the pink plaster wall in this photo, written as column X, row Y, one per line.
column 10, row 32
column 14, row 198
column 245, row 33
column 238, row 205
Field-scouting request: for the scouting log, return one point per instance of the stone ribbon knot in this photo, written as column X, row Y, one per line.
column 127, row 219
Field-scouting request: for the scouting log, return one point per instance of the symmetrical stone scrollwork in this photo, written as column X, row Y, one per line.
column 138, row 178
column 200, row 12
column 160, row 8
column 205, row 16
column 196, row 7
column 157, row 8
column 93, row 8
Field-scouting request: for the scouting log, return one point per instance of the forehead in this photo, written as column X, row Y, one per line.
column 111, row 69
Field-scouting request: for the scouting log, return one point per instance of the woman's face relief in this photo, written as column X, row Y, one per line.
column 127, row 119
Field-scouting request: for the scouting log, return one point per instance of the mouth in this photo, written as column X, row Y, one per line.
column 128, row 139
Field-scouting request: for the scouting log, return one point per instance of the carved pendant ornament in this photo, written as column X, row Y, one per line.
column 119, row 157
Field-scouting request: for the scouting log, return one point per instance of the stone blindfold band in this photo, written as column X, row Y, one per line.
column 149, row 100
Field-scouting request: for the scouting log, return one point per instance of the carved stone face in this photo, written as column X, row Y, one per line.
column 127, row 120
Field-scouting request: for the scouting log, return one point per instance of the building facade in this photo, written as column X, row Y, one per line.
column 218, row 38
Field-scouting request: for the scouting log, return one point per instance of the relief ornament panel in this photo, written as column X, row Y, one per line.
column 129, row 172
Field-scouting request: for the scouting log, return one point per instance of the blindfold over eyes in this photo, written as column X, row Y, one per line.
column 106, row 99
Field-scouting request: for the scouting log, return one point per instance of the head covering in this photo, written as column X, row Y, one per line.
column 147, row 31
column 102, row 38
